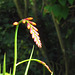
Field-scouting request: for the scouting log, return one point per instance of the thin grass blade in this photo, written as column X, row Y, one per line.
column 27, row 68
column 4, row 64
column 0, row 68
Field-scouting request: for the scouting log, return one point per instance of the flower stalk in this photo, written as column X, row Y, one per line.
column 39, row 61
column 33, row 30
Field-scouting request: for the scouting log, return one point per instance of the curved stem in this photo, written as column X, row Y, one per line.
column 39, row 61
column 15, row 50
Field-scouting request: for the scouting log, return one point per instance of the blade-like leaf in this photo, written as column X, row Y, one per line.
column 4, row 64
column 10, row 71
column 71, row 1
column 26, row 71
column 0, row 68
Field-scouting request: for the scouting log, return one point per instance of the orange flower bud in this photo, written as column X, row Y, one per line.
column 24, row 21
column 34, row 28
column 35, row 39
column 31, row 31
column 15, row 23
column 33, row 23
column 28, row 25
column 29, row 18
column 33, row 36
column 39, row 44
column 36, row 32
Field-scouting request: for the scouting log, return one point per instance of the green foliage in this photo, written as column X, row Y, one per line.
column 58, row 10
column 8, row 14
column 51, row 1
column 62, row 2
column 69, row 32
column 4, row 65
column 48, row 8
column 5, row 74
column 71, row 1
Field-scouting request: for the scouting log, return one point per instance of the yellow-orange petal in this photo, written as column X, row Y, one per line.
column 36, row 32
column 29, row 18
column 15, row 23
column 34, row 28
column 35, row 39
column 33, row 23
column 33, row 36
column 24, row 21
column 31, row 31
column 39, row 45
column 28, row 25
column 37, row 36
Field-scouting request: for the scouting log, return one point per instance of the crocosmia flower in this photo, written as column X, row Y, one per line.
column 33, row 30
column 15, row 23
column 24, row 21
column 28, row 26
column 33, row 23
column 29, row 18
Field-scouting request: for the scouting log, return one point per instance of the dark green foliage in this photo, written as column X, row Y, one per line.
column 62, row 2
column 71, row 1
column 58, row 10
column 63, row 14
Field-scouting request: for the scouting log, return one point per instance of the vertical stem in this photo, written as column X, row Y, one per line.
column 26, row 8
column 15, row 50
column 43, row 70
column 27, row 68
column 4, row 64
column 34, row 8
column 0, row 68
column 19, row 8
column 61, row 43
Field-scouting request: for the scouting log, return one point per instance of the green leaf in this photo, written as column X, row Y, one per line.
column 4, row 65
column 71, row 1
column 26, row 71
column 47, row 9
column 65, row 12
column 56, row 10
column 60, row 12
column 10, row 71
column 62, row 2
column 5, row 74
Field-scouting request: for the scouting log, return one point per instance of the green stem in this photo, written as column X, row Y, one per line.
column 27, row 60
column 27, row 68
column 0, row 68
column 61, row 43
column 43, row 70
column 15, row 50
column 39, row 61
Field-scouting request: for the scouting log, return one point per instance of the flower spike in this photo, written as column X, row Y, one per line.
column 33, row 30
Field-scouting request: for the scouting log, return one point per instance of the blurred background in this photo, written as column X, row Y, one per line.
column 51, row 52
